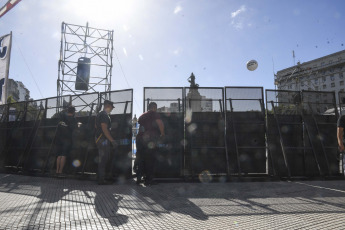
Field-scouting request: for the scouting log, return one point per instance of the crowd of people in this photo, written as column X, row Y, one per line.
column 151, row 131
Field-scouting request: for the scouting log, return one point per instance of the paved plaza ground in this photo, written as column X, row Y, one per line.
column 51, row 203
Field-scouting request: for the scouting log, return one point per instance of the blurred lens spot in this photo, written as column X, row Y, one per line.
column 188, row 116
column 205, row 176
column 192, row 127
column 151, row 145
column 76, row 163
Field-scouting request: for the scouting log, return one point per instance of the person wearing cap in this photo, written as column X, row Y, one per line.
column 64, row 137
column 104, row 140
column 151, row 129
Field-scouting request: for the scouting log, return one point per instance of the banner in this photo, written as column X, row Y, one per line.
column 5, row 53
column 9, row 5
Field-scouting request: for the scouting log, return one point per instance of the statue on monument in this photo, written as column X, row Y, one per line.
column 191, row 80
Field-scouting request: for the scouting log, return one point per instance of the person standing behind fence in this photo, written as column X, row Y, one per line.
column 64, row 137
column 151, row 128
column 104, row 140
column 340, row 136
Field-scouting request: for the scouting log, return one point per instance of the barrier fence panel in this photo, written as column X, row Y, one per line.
column 33, row 157
column 45, row 137
column 245, row 129
column 83, row 137
column 169, row 157
column 285, row 133
column 341, row 108
column 121, row 121
column 16, row 136
column 321, row 119
column 3, row 132
column 205, row 132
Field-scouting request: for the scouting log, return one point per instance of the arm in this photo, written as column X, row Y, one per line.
column 160, row 126
column 106, row 132
column 340, row 132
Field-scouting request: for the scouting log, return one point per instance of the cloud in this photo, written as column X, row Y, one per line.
column 177, row 9
column 239, row 11
column 238, row 21
column 141, row 57
column 237, row 25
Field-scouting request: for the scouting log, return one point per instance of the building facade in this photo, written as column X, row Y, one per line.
column 17, row 90
column 322, row 74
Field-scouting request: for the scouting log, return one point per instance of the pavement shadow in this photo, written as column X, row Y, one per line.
column 64, row 194
column 107, row 206
column 160, row 202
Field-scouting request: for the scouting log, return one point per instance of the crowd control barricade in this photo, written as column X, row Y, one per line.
column 83, row 136
column 170, row 151
column 341, row 98
column 39, row 157
column 15, row 135
column 246, row 130
column 205, row 152
column 287, row 136
column 320, row 119
column 121, row 131
column 3, row 133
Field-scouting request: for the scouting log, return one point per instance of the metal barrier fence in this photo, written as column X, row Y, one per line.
column 285, row 133
column 302, row 132
column 170, row 154
column 28, row 131
column 245, row 129
column 320, row 116
column 205, row 131
column 209, row 131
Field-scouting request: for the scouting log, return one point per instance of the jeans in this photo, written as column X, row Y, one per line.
column 104, row 148
column 146, row 158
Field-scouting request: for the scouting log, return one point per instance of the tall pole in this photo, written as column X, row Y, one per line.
column 8, row 68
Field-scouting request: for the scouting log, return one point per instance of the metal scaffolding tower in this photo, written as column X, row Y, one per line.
column 84, row 41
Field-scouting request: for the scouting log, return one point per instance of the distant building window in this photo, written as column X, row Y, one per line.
column 332, row 77
column 324, row 86
column 309, row 88
column 341, row 82
column 302, row 83
column 341, row 75
column 341, row 90
column 339, row 58
column 316, row 87
column 332, row 84
column 322, row 63
column 323, row 79
column 290, row 87
column 316, row 81
column 330, row 61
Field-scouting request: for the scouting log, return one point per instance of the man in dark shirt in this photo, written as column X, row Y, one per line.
column 151, row 129
column 104, row 140
column 64, row 136
column 340, row 136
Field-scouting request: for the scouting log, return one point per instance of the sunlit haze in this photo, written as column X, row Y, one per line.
column 159, row 43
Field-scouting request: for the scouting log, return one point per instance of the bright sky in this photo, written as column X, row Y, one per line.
column 159, row 43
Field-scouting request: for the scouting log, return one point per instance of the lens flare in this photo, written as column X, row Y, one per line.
column 76, row 163
column 205, row 176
